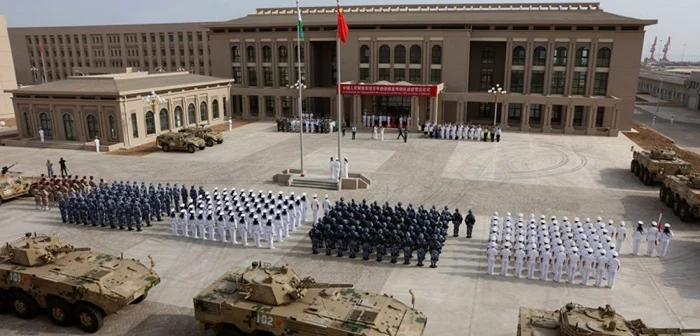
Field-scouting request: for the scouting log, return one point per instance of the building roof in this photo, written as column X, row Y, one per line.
column 666, row 76
column 121, row 84
column 473, row 14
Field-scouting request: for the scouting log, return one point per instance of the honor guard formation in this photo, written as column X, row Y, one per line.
column 309, row 123
column 462, row 132
column 52, row 190
column 386, row 121
column 232, row 217
column 372, row 228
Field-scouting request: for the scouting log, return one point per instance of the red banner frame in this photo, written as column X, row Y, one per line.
column 389, row 90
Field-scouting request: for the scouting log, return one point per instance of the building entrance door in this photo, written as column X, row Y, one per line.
column 393, row 107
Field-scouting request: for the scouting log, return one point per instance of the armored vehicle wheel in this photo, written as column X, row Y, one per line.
column 23, row 305
column 220, row 141
column 166, row 147
column 636, row 168
column 140, row 298
column 643, row 175
column 648, row 178
column 210, row 142
column 191, row 148
column 677, row 206
column 230, row 330
column 685, row 214
column 60, row 312
column 89, row 318
column 669, row 199
column 662, row 194
column 633, row 165
column 4, row 302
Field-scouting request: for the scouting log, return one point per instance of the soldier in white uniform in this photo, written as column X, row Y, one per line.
column 613, row 267
column 588, row 264
column 201, row 223
column 337, row 169
column 664, row 238
column 314, row 210
column 559, row 260
column 505, row 259
column 381, row 133
column 637, row 237
column 620, row 235
column 232, row 227
column 331, row 168
column 545, row 262
column 277, row 227
column 174, row 224
column 572, row 263
column 374, row 133
column 519, row 260
column 652, row 236
column 243, row 229
column 491, row 254
column 269, row 234
column 601, row 268
column 478, row 133
column 326, row 206
column 256, row 230
column 364, row 119
column 532, row 257
column 285, row 222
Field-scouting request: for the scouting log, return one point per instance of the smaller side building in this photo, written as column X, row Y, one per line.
column 677, row 88
column 112, row 107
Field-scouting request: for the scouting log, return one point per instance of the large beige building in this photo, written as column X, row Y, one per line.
column 112, row 107
column 567, row 67
column 7, row 71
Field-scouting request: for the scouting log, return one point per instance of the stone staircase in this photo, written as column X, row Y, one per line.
column 314, row 183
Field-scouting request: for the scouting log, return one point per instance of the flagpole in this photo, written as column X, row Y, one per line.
column 340, row 97
column 299, row 104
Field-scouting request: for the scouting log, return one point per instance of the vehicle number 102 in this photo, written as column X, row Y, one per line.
column 265, row 319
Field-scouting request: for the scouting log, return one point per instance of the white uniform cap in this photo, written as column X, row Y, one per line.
column 507, row 213
column 574, row 249
column 561, row 248
column 590, row 250
column 520, row 215
column 250, row 190
column 588, row 219
column 602, row 252
column 542, row 217
column 495, row 213
column 608, row 239
column 599, row 218
column 610, row 221
column 622, row 223
column 586, row 245
column 667, row 225
column 554, row 217
column 507, row 245
column 615, row 254
column 326, row 196
column 303, row 194
column 654, row 223
column 269, row 192
column 599, row 246
column 605, row 231
column 494, row 229
column 554, row 221
column 281, row 192
column 314, row 195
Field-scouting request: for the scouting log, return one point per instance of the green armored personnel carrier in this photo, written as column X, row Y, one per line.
column 654, row 165
column 74, row 285
column 577, row 320
column 266, row 300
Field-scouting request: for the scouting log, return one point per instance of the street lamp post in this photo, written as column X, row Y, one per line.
column 35, row 74
column 153, row 99
column 658, row 98
column 496, row 92
column 300, row 86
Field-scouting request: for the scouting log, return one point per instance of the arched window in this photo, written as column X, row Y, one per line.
column 298, row 50
column 251, row 54
column 215, row 109
column 539, row 58
column 178, row 116
column 45, row 124
column 436, row 55
column 27, row 124
column 203, row 113
column 68, row 122
column 235, row 54
column 560, row 55
column 519, row 56
column 267, row 54
column 164, row 119
column 603, row 60
column 384, row 54
column 112, row 128
column 415, row 55
column 150, row 123
column 191, row 114
column 400, row 54
column 283, row 54
column 582, row 57
column 364, row 54
column 92, row 126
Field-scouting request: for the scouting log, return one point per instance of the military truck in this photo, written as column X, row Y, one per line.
column 577, row 320
column 14, row 184
column 270, row 300
column 74, row 284
column 210, row 137
column 179, row 141
column 652, row 166
column 682, row 194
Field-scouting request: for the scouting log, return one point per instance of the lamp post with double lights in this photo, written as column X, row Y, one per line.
column 153, row 99
column 35, row 73
column 300, row 86
column 496, row 92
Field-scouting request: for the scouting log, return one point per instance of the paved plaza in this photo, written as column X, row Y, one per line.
column 530, row 173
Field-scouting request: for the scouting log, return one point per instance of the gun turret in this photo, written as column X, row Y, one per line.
column 6, row 169
column 311, row 283
column 667, row 331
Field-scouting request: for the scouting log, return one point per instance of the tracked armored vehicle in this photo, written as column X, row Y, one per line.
column 653, row 166
column 577, row 320
column 682, row 194
column 268, row 300
column 75, row 285
column 209, row 136
column 15, row 184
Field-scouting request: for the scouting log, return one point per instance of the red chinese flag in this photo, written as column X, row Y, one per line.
column 342, row 26
column 41, row 49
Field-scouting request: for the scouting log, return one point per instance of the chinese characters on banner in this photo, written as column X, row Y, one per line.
column 389, row 90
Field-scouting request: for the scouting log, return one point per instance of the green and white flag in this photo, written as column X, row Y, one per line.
column 300, row 24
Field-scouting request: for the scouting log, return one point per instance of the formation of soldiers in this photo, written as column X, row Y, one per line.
column 234, row 217
column 308, row 122
column 587, row 249
column 363, row 228
column 49, row 191
column 384, row 120
column 657, row 239
column 460, row 131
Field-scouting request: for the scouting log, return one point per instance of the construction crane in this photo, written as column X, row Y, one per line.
column 653, row 51
column 664, row 58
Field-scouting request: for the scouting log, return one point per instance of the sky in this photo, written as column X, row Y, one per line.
column 675, row 20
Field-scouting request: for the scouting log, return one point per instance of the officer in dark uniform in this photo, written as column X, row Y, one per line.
column 456, row 221
column 470, row 220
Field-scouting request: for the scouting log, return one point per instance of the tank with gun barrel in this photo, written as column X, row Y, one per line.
column 654, row 165
column 276, row 301
column 14, row 184
column 577, row 320
column 74, row 284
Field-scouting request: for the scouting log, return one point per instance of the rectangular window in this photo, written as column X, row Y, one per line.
column 486, row 81
column 557, row 114
column 558, row 81
column 517, row 81
column 600, row 84
column 284, row 76
column 535, row 114
column 134, row 126
column 364, row 74
column 267, row 76
column 579, row 85
column 537, row 83
column 296, row 74
column 485, row 111
column 599, row 116
column 435, row 75
column 515, row 112
column 253, row 104
column 578, row 115
column 399, row 75
column 269, row 106
column 414, row 75
column 383, row 74
column 488, row 55
column 252, row 76
column 286, row 106
column 237, row 75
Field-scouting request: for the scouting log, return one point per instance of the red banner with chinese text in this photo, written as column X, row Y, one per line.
column 389, row 90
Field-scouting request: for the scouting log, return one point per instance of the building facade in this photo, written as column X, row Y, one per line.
column 568, row 68
column 112, row 107
column 680, row 89
column 87, row 50
column 7, row 71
